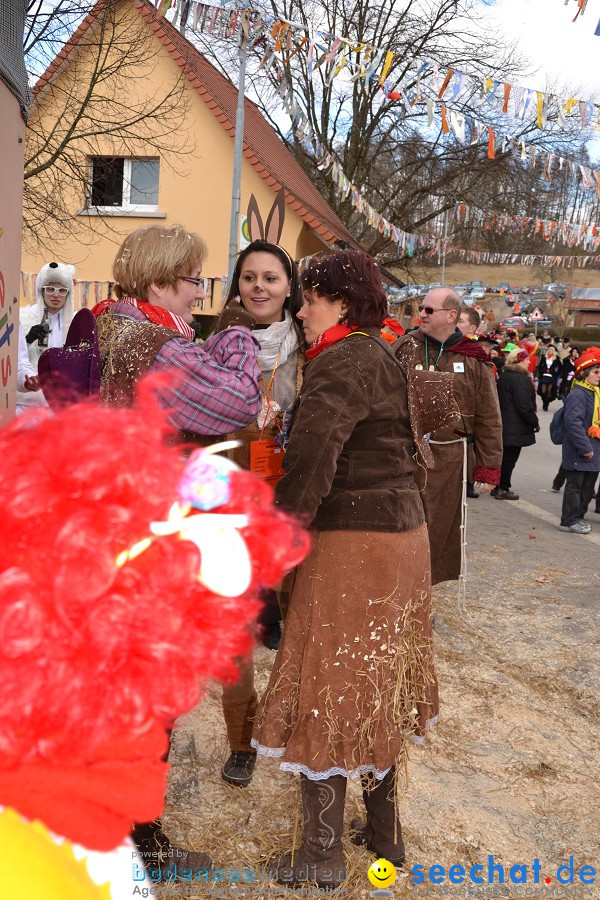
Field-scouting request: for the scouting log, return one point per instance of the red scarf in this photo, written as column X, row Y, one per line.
column 155, row 314
column 467, row 347
column 339, row 332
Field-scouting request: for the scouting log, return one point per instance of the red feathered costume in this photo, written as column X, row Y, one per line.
column 106, row 628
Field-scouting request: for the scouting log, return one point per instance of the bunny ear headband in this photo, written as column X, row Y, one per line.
column 275, row 219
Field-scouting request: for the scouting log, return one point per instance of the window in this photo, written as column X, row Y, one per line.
column 126, row 184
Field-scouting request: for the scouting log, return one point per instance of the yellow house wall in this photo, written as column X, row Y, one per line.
column 195, row 192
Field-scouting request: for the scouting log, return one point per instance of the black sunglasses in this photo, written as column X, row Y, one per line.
column 429, row 310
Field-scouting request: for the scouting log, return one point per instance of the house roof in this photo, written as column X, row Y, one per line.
column 263, row 149
column 592, row 305
column 586, row 294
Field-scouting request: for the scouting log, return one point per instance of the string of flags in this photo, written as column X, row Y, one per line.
column 479, row 257
column 581, row 4
column 364, row 60
column 572, row 234
column 224, row 23
column 280, row 36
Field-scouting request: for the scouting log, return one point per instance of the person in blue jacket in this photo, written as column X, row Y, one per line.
column 581, row 442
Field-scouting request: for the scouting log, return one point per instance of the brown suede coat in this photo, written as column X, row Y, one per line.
column 350, row 460
column 441, row 487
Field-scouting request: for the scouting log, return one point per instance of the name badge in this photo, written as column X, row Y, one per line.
column 459, row 367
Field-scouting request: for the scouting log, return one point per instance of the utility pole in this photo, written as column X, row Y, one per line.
column 238, row 145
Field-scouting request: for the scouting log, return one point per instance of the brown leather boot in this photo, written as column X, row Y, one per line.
column 320, row 858
column 378, row 833
column 239, row 712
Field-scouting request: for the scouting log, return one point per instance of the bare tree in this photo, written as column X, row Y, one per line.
column 93, row 101
column 411, row 174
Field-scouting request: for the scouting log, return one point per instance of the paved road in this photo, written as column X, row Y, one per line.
column 529, row 526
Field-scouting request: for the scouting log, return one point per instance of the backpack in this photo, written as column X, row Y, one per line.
column 557, row 426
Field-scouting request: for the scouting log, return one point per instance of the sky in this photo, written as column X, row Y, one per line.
column 557, row 46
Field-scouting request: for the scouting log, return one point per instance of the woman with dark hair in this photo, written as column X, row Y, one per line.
column 267, row 285
column 548, row 373
column 568, row 372
column 354, row 675
column 520, row 424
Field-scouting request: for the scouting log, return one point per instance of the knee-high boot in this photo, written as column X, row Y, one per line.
column 320, row 858
column 382, row 832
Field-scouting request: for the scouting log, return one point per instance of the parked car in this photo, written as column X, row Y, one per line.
column 514, row 322
column 434, row 284
column 396, row 294
column 502, row 286
column 476, row 286
column 460, row 288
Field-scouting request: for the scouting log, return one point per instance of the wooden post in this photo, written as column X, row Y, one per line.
column 11, row 192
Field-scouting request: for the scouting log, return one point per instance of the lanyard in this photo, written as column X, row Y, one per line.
column 434, row 367
column 267, row 396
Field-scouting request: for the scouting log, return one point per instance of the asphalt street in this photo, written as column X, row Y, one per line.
column 528, row 527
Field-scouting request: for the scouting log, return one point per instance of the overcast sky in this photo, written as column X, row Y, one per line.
column 561, row 48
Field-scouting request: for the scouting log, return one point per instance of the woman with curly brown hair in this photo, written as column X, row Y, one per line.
column 354, row 677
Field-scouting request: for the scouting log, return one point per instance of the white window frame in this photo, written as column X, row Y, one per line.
column 126, row 205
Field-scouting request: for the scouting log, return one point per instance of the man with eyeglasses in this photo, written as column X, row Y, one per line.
column 469, row 450
column 45, row 324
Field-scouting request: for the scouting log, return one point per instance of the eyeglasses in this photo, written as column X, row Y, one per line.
column 48, row 289
column 196, row 281
column 429, row 310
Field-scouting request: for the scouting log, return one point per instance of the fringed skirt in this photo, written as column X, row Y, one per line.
column 354, row 676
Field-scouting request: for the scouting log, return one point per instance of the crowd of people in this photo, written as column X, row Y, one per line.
column 552, row 368
column 383, row 439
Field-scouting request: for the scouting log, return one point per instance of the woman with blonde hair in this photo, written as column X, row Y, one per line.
column 214, row 388
column 148, row 328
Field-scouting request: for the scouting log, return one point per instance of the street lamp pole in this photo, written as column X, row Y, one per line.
column 238, row 142
column 238, row 145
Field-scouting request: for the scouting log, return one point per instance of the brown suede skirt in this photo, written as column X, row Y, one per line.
column 354, row 676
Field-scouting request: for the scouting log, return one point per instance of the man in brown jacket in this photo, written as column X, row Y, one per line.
column 439, row 346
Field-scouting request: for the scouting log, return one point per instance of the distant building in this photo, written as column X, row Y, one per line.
column 584, row 306
column 133, row 186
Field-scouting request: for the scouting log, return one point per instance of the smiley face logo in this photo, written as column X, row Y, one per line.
column 382, row 873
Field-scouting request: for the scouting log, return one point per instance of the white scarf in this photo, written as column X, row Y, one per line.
column 278, row 340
